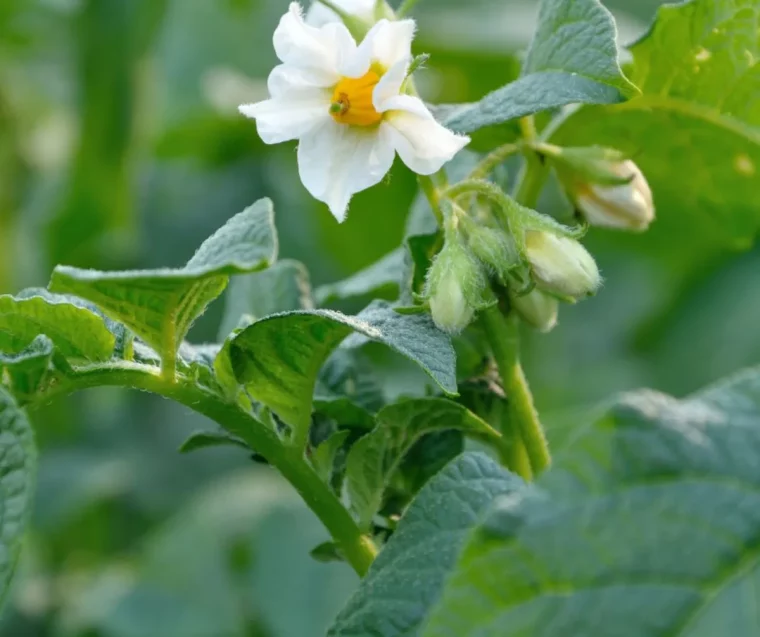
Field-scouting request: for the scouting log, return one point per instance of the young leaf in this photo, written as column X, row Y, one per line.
column 33, row 369
column 323, row 457
column 350, row 374
column 648, row 523
column 408, row 576
column 375, row 457
column 344, row 412
column 161, row 305
column 382, row 275
column 76, row 331
column 206, row 439
column 278, row 358
column 284, row 287
column 18, row 463
column 572, row 59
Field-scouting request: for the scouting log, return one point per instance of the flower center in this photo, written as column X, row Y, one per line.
column 352, row 101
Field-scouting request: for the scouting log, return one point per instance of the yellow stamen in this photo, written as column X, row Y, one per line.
column 352, row 101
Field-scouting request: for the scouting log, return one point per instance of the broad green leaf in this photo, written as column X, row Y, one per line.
column 76, row 331
column 284, row 287
column 705, row 52
column 206, row 439
column 572, row 59
column 648, row 523
column 408, row 576
column 18, row 462
column 375, row 457
column 701, row 166
column 382, row 276
column 278, row 358
column 161, row 305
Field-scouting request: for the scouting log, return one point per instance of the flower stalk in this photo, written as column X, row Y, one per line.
column 503, row 337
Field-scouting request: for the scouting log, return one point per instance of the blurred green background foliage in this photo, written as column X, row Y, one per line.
column 121, row 146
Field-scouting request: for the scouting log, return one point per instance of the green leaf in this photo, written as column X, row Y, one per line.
column 350, row 374
column 426, row 457
column 705, row 52
column 278, row 358
column 284, row 287
column 408, row 576
column 323, row 457
column 702, row 164
column 344, row 412
column 326, row 552
column 382, row 276
column 647, row 523
column 76, row 331
column 375, row 457
column 34, row 369
column 572, row 59
column 18, row 464
column 161, row 305
column 419, row 254
column 206, row 439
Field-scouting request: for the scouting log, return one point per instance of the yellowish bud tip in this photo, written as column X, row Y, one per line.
column 561, row 266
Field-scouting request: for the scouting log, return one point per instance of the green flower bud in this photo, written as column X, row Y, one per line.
column 455, row 288
column 495, row 248
column 560, row 265
column 628, row 206
column 537, row 309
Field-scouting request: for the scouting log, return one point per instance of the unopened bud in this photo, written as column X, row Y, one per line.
column 561, row 266
column 628, row 206
column 494, row 248
column 454, row 288
column 537, row 309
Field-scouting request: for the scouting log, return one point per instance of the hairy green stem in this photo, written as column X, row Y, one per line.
column 504, row 339
column 432, row 193
column 533, row 175
column 358, row 548
column 487, row 165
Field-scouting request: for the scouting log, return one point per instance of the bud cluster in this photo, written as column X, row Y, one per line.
column 528, row 258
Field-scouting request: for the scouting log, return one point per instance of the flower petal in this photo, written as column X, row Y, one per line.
column 421, row 142
column 390, row 42
column 319, row 15
column 336, row 161
column 317, row 51
column 282, row 119
column 390, row 84
column 286, row 80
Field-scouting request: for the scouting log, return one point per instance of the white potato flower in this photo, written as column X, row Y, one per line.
column 345, row 105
